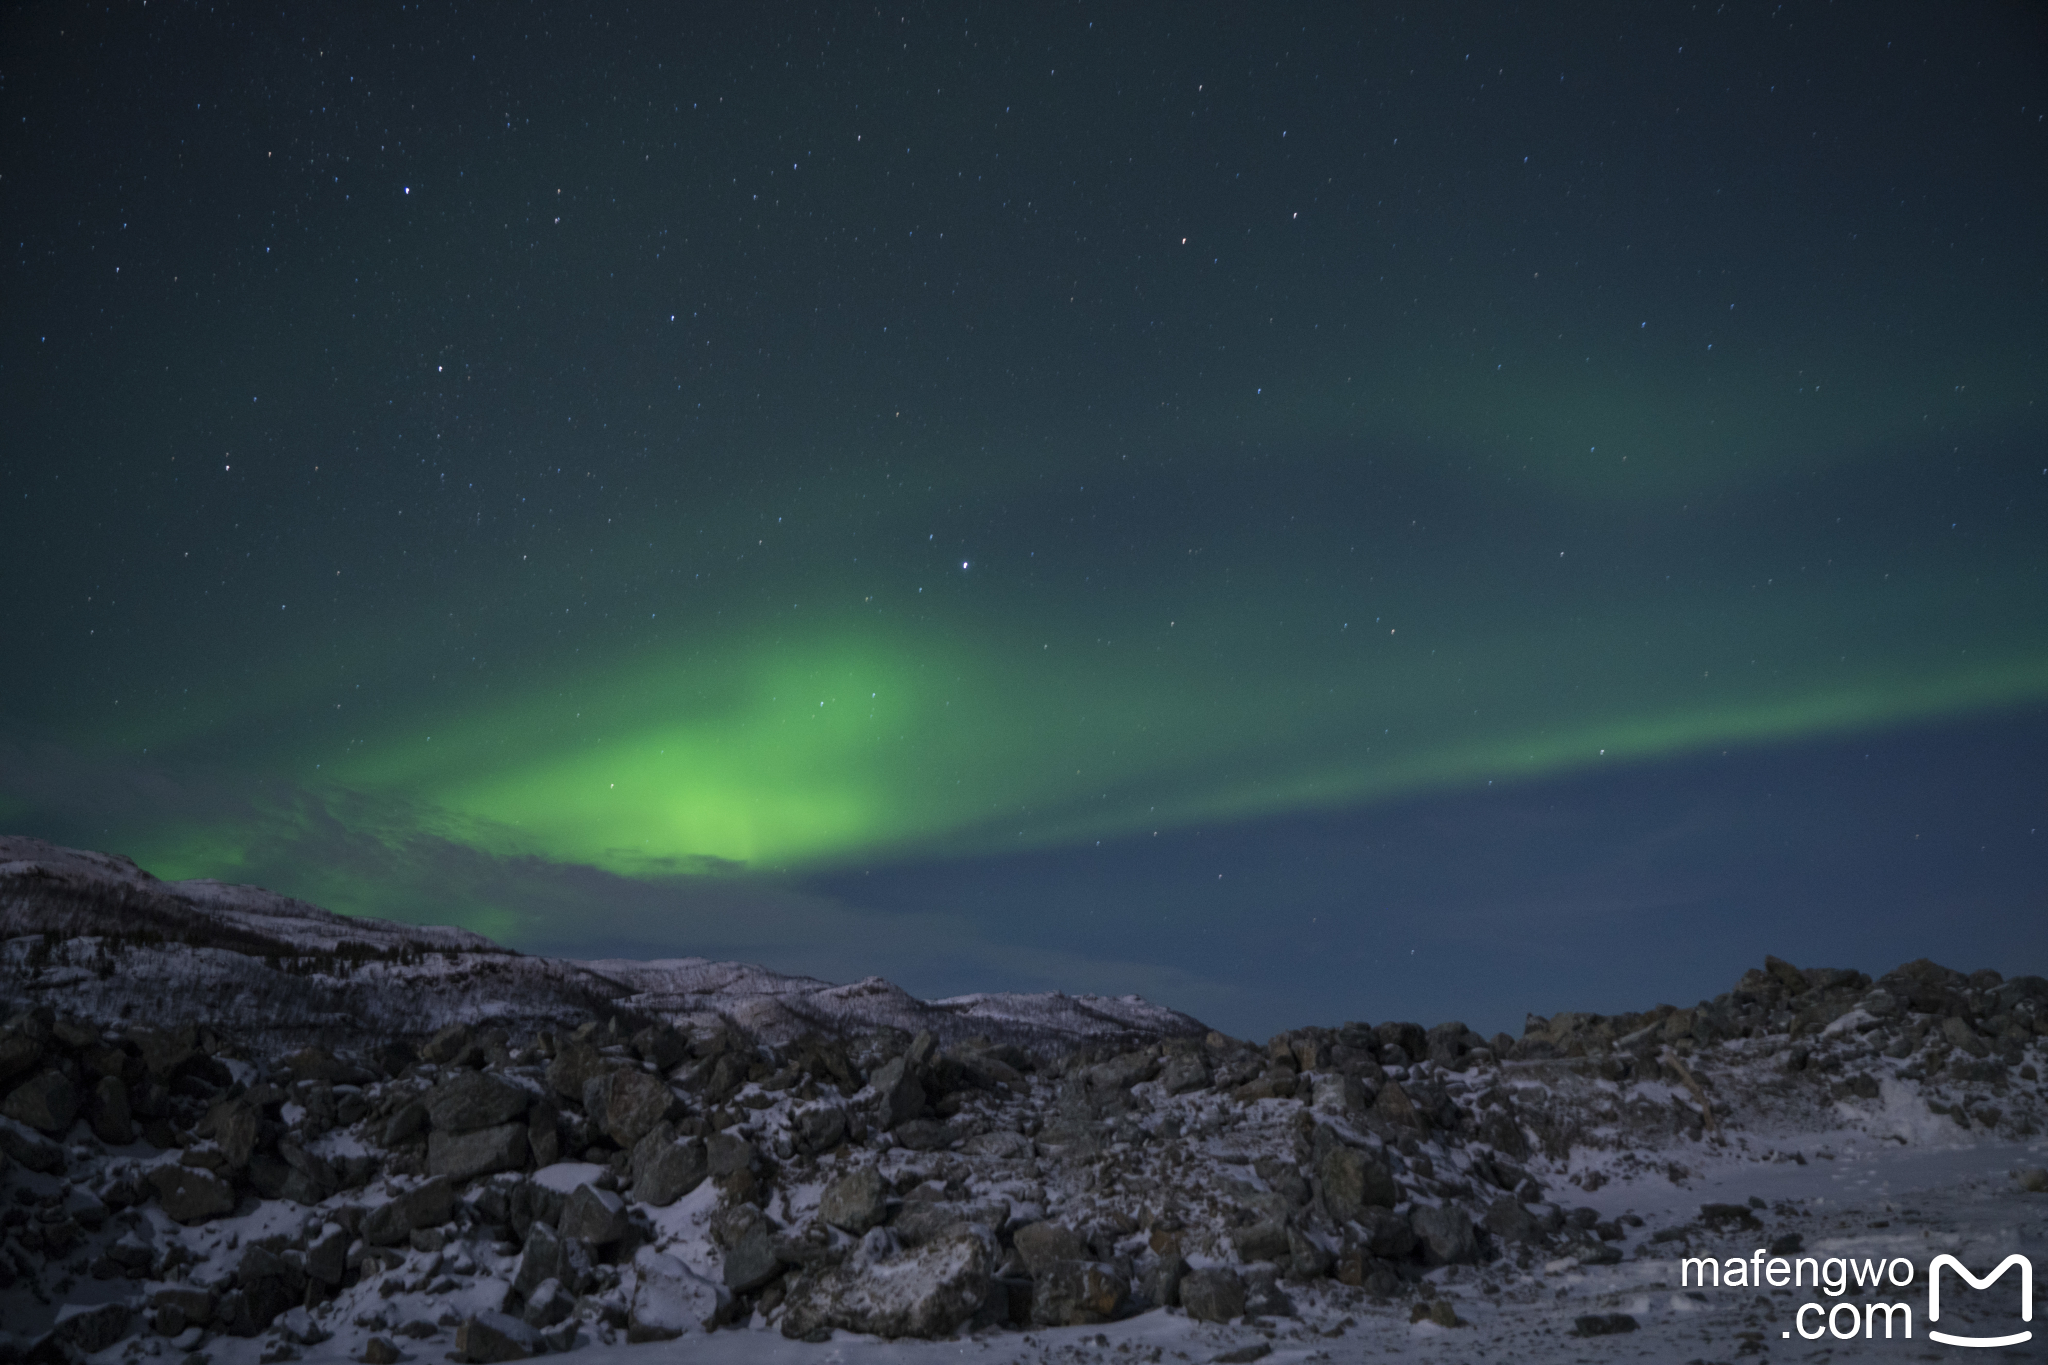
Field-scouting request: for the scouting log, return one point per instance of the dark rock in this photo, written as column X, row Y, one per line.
column 19, row 1052
column 463, row 1156
column 750, row 1260
column 380, row 1351
column 576, row 1064
column 1510, row 1220
column 1604, row 1324
column 899, row 1094
column 543, row 1132
column 407, row 1123
column 627, row 1103
column 1212, row 1295
column 595, row 1216
column 1077, row 1294
column 548, row 1304
column 470, row 1100
column 24, row 1144
column 670, row 1299
column 1160, row 1284
column 45, row 1101
column 855, row 1201
column 490, row 1337
column 111, row 1121
column 923, row 1135
column 1446, row 1235
column 929, row 1293
column 1352, row 1181
column 427, row 1205
column 820, row 1129
column 327, row 1255
column 447, row 1044
column 726, row 1153
column 93, row 1329
column 1046, row 1244
column 191, row 1195
column 551, row 1256
column 667, row 1168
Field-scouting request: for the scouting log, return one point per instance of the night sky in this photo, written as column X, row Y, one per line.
column 1301, row 513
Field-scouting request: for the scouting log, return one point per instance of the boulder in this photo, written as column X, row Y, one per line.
column 1338, row 1095
column 1394, row 1106
column 1182, row 1072
column 92, row 1329
column 1077, row 1294
column 1212, row 1295
column 548, row 1304
column 450, row 1042
column 19, row 1052
column 855, row 1201
column 1510, row 1220
column 327, row 1255
column 665, row 1168
column 1043, row 1245
column 190, row 1194
column 926, row 1293
column 24, row 1144
column 670, row 1299
column 727, row 1153
column 463, row 1156
column 45, row 1101
column 1160, row 1284
column 821, row 1128
column 627, row 1103
column 595, row 1216
column 1387, row 1234
column 407, row 1123
column 575, row 1065
column 470, row 1100
column 750, row 1260
column 111, row 1121
column 1003, row 1143
column 1353, row 1181
column 1446, row 1235
column 899, row 1094
column 488, row 1337
column 551, row 1256
column 427, row 1205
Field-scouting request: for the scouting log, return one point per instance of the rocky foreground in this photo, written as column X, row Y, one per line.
column 174, row 1187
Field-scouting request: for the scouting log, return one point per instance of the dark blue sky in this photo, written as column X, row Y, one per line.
column 1303, row 514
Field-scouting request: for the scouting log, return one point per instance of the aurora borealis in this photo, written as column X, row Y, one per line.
column 1299, row 514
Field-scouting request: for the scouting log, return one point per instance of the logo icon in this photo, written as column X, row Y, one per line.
column 1934, row 1298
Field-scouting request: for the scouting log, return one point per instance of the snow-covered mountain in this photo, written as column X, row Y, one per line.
column 267, row 966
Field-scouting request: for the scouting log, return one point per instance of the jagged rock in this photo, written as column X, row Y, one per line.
column 927, row 1293
column 543, row 1132
column 191, row 1195
column 1352, row 1181
column 726, row 1153
column 1510, row 1220
column 327, row 1255
column 855, row 1201
column 111, row 1121
column 1447, row 1236
column 1183, row 1071
column 1387, row 1234
column 670, row 1299
column 490, row 1337
column 470, row 1100
column 627, row 1103
column 380, row 1351
column 548, row 1304
column 1076, row 1294
column 1338, row 1095
column 298, row 1326
column 667, row 1168
column 551, row 1256
column 45, row 1101
column 408, row 1122
column 899, row 1094
column 575, row 1065
column 92, row 1329
column 1394, row 1105
column 750, row 1259
column 821, row 1128
column 1262, row 1241
column 24, row 1144
column 1215, row 1295
column 1160, row 1284
column 448, row 1043
column 237, row 1126
column 1003, row 1143
column 18, row 1053
column 427, row 1205
column 463, row 1156
column 921, row 1221
column 1045, row 1244
column 595, row 1216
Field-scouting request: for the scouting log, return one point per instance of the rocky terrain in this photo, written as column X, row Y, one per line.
column 235, row 1128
